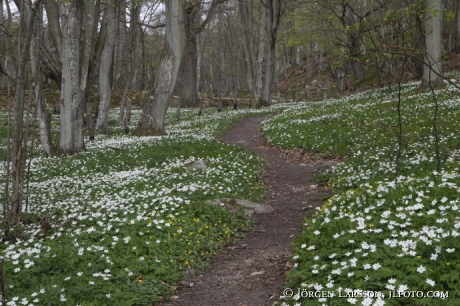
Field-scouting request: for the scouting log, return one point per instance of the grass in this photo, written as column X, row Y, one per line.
column 380, row 233
column 127, row 223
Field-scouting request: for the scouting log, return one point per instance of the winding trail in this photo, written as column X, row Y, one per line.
column 252, row 271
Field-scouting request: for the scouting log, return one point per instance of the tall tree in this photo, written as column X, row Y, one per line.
column 245, row 10
column 187, row 80
column 105, row 90
column 73, row 76
column 432, row 69
column 134, row 29
column 2, row 38
column 43, row 115
column 221, row 55
column 454, row 35
column 260, row 50
column 274, row 13
column 153, row 114
column 18, row 153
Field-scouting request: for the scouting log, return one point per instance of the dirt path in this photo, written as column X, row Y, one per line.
column 252, row 272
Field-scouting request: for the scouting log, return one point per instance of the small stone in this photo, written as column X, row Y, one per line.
column 198, row 164
column 235, row 205
column 327, row 167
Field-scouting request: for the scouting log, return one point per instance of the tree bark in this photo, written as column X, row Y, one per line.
column 120, row 53
column 248, row 48
column 153, row 114
column 130, row 81
column 2, row 41
column 127, row 119
column 187, row 79
column 198, row 66
column 453, row 43
column 419, row 43
column 72, row 98
column 260, row 50
column 94, row 46
column 274, row 9
column 432, row 69
column 52, row 13
column 221, row 56
column 105, row 90
column 355, row 55
column 355, row 44
column 43, row 116
column 18, row 120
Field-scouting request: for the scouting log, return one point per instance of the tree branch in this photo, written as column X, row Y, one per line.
column 208, row 18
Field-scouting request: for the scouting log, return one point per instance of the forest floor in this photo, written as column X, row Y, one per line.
column 252, row 271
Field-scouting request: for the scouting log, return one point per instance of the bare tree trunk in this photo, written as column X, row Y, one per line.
column 72, row 98
column 354, row 43
column 261, row 49
column 274, row 9
column 2, row 41
column 133, row 40
column 154, row 111
column 94, row 42
column 453, row 43
column 52, row 13
column 432, row 70
column 221, row 55
column 341, row 74
column 44, row 117
column 277, row 73
column 18, row 153
column 187, row 79
column 355, row 54
column 7, row 170
column 419, row 44
column 105, row 90
column 198, row 66
column 200, row 98
column 249, row 59
column 120, row 52
column 127, row 119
